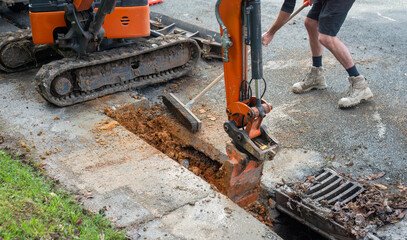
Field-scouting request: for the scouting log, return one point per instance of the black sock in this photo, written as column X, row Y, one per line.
column 353, row 71
column 317, row 61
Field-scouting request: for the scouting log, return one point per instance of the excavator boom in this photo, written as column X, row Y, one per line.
column 251, row 144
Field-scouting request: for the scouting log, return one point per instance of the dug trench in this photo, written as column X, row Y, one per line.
column 157, row 129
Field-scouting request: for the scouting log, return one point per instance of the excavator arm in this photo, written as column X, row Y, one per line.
column 251, row 143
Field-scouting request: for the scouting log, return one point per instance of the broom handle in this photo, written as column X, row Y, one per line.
column 205, row 90
column 215, row 81
column 306, row 4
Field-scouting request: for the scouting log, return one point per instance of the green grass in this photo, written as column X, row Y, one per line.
column 32, row 207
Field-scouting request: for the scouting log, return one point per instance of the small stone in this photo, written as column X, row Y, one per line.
column 228, row 210
column 185, row 163
column 396, row 89
column 202, row 110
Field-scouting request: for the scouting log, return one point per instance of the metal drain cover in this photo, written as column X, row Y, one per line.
column 312, row 209
column 330, row 187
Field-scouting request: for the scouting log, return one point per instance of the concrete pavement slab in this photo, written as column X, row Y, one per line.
column 113, row 171
column 211, row 215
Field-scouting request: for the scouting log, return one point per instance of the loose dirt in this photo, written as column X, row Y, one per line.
column 157, row 130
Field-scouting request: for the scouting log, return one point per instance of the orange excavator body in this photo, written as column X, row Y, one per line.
column 123, row 22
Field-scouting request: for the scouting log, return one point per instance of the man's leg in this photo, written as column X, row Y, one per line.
column 331, row 18
column 314, row 79
column 312, row 28
column 338, row 49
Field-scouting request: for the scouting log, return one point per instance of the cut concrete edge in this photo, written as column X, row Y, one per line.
column 172, row 222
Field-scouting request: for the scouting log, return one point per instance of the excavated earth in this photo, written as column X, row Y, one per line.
column 157, row 129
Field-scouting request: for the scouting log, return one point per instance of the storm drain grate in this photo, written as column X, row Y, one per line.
column 325, row 191
column 332, row 188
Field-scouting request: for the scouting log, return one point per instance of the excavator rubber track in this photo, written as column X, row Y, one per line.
column 98, row 74
column 18, row 52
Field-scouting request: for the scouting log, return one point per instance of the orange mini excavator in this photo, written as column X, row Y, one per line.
column 102, row 47
column 251, row 144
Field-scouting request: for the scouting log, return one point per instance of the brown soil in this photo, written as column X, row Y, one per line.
column 260, row 212
column 156, row 130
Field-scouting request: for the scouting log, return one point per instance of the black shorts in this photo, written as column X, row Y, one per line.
column 330, row 14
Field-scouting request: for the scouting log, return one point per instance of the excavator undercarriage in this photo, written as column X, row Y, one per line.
column 72, row 80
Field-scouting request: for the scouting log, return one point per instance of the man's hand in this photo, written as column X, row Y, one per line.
column 266, row 38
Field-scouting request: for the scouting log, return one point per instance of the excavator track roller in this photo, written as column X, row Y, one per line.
column 73, row 80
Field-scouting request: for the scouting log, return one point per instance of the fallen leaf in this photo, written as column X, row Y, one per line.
column 310, row 178
column 212, row 118
column 39, row 133
column 42, row 164
column 375, row 176
column 202, row 110
column 79, row 222
column 349, row 164
column 401, row 215
column 23, row 144
column 109, row 126
column 380, row 186
column 56, row 118
column 401, row 186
